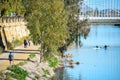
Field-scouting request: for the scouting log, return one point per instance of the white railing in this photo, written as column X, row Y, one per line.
column 99, row 18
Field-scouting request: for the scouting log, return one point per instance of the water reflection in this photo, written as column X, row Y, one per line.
column 62, row 74
column 103, row 35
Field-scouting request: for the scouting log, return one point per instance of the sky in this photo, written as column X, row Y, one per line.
column 103, row 4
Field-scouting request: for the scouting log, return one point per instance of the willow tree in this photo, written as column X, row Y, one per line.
column 47, row 24
column 76, row 27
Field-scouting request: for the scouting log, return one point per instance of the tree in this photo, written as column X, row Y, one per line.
column 14, row 6
column 54, row 24
column 76, row 27
column 47, row 22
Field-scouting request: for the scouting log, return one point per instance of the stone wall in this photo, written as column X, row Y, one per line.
column 13, row 28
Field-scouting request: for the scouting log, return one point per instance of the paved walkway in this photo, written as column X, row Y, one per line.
column 20, row 54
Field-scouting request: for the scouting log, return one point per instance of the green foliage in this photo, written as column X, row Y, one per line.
column 14, row 6
column 74, row 24
column 1, row 50
column 17, row 72
column 46, row 72
column 8, row 76
column 32, row 55
column 47, row 22
column 10, row 46
column 16, row 42
column 53, row 62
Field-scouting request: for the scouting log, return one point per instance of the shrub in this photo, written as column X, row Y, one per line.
column 17, row 72
column 8, row 76
column 13, row 44
column 46, row 72
column 53, row 62
column 10, row 46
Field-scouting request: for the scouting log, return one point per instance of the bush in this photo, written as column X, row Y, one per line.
column 14, row 43
column 53, row 62
column 46, row 72
column 10, row 46
column 8, row 76
column 17, row 72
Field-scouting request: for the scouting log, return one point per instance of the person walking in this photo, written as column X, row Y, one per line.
column 11, row 57
column 29, row 42
column 25, row 43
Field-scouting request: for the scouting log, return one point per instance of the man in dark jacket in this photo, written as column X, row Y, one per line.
column 10, row 57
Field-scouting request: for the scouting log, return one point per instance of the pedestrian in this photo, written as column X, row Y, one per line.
column 29, row 42
column 11, row 57
column 25, row 43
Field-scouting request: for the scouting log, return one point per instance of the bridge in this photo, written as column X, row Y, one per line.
column 110, row 20
column 97, row 11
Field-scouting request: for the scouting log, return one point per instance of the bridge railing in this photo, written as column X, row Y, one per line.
column 100, row 18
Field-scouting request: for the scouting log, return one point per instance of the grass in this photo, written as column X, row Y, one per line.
column 32, row 55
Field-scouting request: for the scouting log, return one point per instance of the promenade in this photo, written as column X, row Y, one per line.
column 20, row 54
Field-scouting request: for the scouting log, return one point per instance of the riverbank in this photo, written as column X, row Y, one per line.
column 22, row 58
column 35, row 68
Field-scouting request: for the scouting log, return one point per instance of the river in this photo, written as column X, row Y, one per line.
column 95, row 64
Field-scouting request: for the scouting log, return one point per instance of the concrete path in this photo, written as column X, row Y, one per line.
column 20, row 54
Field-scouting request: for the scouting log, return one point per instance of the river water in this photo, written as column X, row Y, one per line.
column 95, row 64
